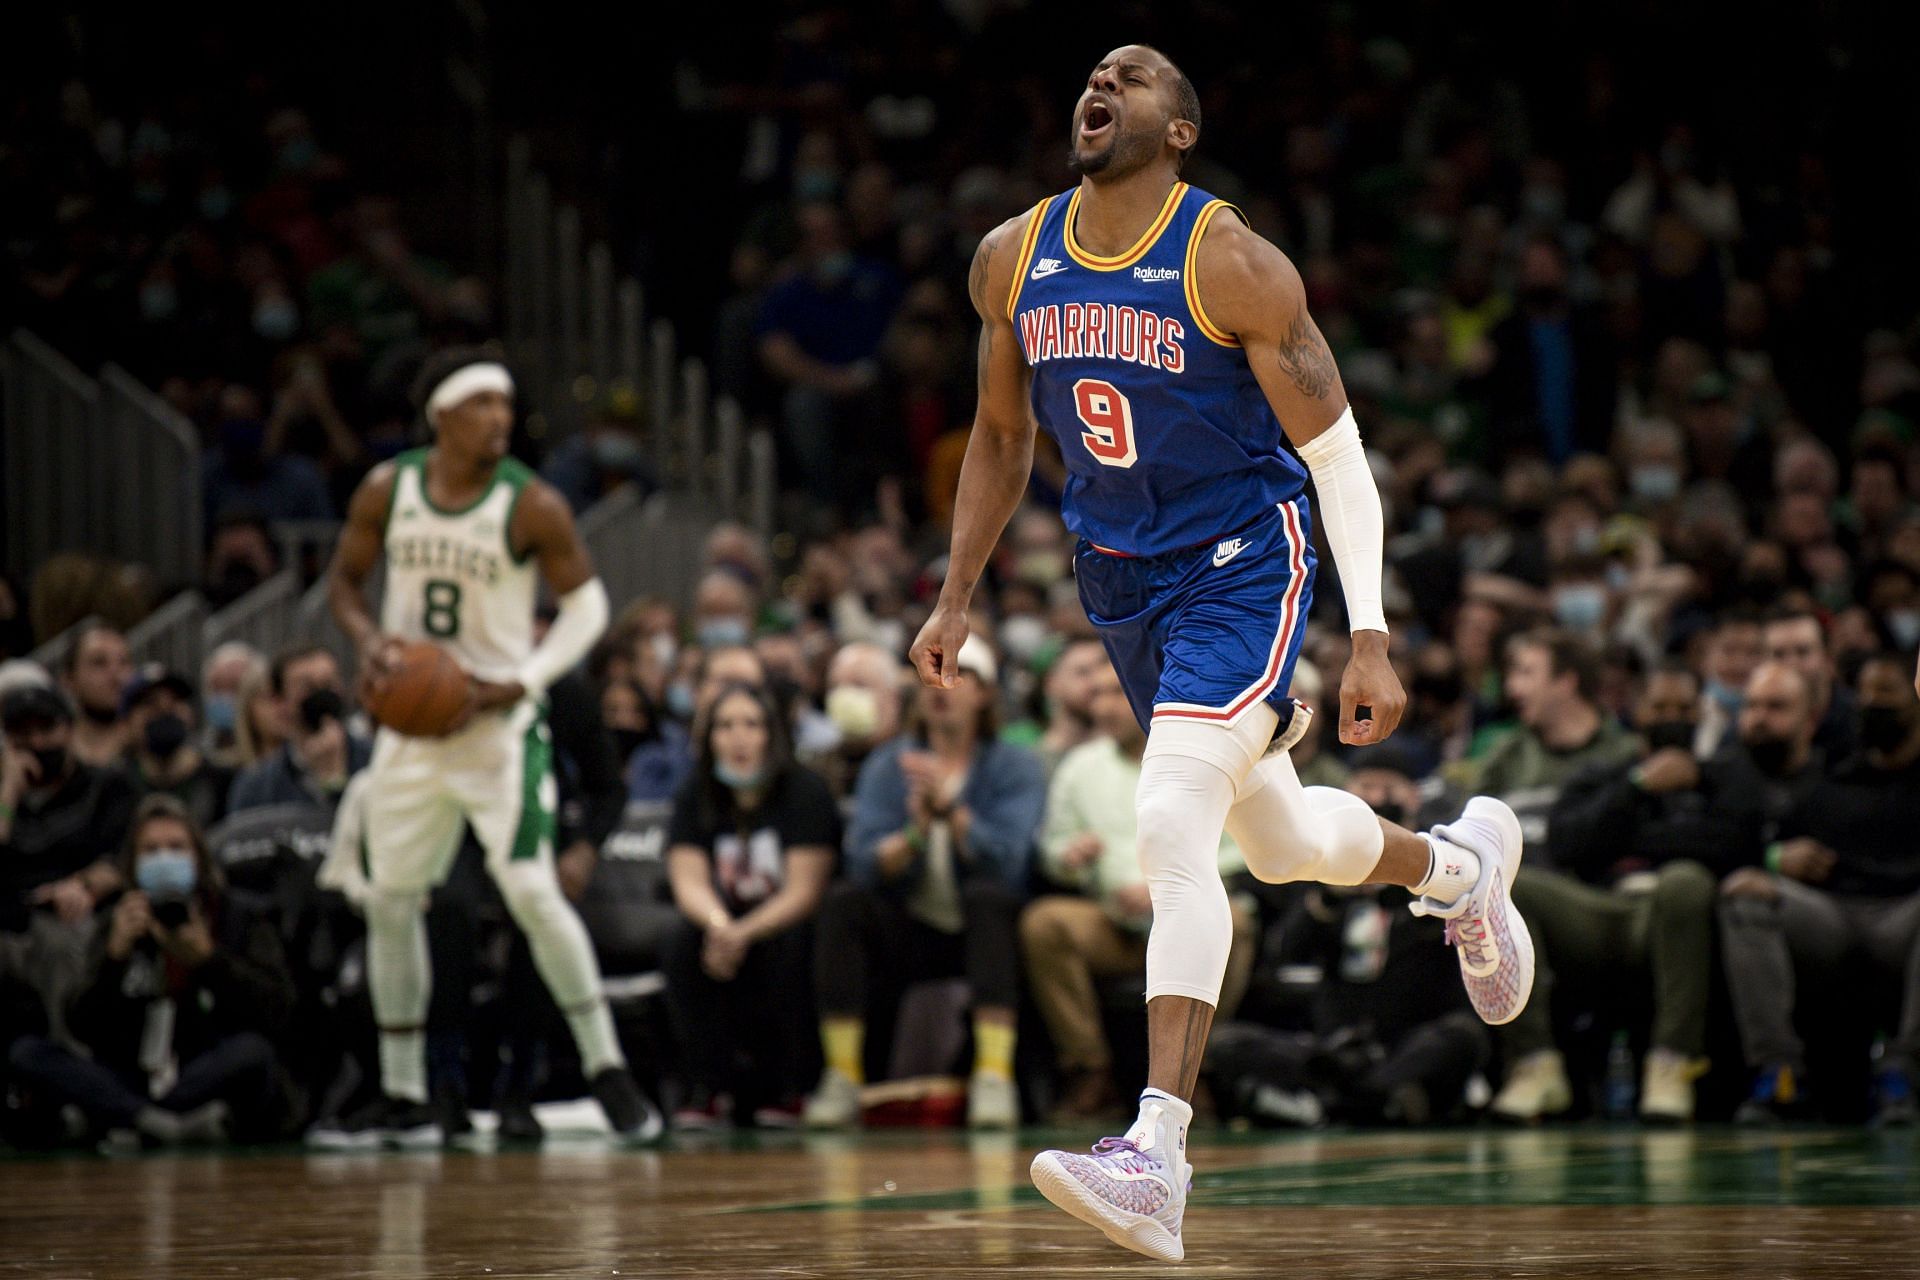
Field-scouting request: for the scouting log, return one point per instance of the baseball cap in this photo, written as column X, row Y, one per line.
column 977, row 656
column 149, row 678
column 29, row 704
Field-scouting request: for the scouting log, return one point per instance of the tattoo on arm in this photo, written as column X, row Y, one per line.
column 977, row 277
column 1303, row 354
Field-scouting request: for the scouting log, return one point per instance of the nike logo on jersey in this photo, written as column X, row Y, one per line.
column 1047, row 267
column 1228, row 550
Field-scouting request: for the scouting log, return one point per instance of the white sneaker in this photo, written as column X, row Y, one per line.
column 1496, row 951
column 1134, row 1189
column 1666, row 1086
column 835, row 1104
column 992, row 1102
column 1536, row 1086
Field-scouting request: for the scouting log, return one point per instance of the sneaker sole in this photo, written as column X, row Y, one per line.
column 1128, row 1230
column 1497, row 814
column 425, row 1137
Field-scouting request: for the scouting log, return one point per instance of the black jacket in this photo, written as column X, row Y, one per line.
column 1870, row 818
column 1605, row 827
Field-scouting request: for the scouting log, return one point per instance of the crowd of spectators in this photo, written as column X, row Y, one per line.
column 1644, row 426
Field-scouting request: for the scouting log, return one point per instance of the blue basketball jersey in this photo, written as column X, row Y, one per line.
column 1168, row 439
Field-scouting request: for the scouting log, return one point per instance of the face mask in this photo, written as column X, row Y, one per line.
column 53, row 764
column 627, row 741
column 680, row 701
column 722, row 633
column 664, row 649
column 1655, row 483
column 1669, row 733
column 616, row 451
column 165, row 874
column 854, row 711
column 165, row 734
column 1581, row 607
column 1021, row 638
column 276, row 320
column 1883, row 728
column 1904, row 625
column 1726, row 697
column 1770, row 755
column 738, row 779
column 222, row 712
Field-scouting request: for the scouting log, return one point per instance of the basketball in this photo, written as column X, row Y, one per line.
column 424, row 692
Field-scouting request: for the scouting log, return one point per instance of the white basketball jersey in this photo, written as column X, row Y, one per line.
column 451, row 575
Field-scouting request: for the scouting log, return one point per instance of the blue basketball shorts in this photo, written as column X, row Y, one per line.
column 1209, row 632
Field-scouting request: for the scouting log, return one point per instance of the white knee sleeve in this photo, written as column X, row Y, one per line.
column 1288, row 832
column 1181, row 807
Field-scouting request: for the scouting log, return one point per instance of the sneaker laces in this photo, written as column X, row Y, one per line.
column 1469, row 933
column 1131, row 1158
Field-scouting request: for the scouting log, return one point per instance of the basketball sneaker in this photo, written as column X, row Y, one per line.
column 992, row 1101
column 835, row 1103
column 1536, row 1087
column 1494, row 947
column 630, row 1112
column 1134, row 1187
column 703, row 1111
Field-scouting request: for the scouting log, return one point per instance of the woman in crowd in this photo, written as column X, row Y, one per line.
column 750, row 851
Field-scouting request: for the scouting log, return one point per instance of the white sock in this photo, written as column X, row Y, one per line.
column 1451, row 872
column 403, row 1065
column 1162, row 1123
column 399, row 979
column 594, row 1036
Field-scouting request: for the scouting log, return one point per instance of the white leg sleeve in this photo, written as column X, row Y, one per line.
column 563, row 954
column 399, row 980
column 1289, row 832
column 1188, row 777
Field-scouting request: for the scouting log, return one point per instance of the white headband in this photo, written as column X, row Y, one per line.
column 469, row 380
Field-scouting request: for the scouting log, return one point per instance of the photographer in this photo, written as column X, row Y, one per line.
column 60, row 819
column 320, row 753
column 163, row 758
column 181, row 998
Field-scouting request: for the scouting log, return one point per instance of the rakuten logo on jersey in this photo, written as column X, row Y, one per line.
column 1153, row 275
column 1092, row 330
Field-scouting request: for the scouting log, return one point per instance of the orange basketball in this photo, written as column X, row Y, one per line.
column 423, row 693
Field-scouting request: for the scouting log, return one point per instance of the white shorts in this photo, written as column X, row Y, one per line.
column 496, row 775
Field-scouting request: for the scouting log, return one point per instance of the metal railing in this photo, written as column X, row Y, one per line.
column 93, row 465
column 265, row 617
column 172, row 635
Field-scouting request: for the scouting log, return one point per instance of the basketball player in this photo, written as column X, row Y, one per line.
column 1167, row 349
column 467, row 534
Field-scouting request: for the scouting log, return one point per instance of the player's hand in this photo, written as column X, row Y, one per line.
column 467, row 709
column 1370, row 682
column 492, row 695
column 378, row 657
column 936, row 650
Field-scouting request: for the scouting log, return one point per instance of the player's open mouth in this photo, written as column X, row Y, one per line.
column 1097, row 118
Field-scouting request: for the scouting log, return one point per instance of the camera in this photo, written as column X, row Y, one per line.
column 170, row 913
column 319, row 707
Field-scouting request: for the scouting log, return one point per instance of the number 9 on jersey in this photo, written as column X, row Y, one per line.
column 1108, row 419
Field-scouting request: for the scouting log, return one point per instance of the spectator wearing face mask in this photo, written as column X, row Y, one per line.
column 653, row 752
column 724, row 606
column 1842, row 881
column 95, row 673
column 1637, row 850
column 61, row 820
column 165, row 756
column 227, row 671
column 751, row 848
column 1734, row 649
column 865, row 694
column 183, row 997
column 320, row 753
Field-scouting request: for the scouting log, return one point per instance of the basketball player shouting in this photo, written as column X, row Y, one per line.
column 467, row 533
column 1167, row 347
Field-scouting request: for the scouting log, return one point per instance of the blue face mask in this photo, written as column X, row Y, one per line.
column 723, row 633
column 221, row 712
column 680, row 701
column 165, row 874
column 738, row 779
column 1729, row 698
column 1581, row 606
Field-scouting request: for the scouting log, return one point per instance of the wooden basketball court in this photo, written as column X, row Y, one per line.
column 1557, row 1203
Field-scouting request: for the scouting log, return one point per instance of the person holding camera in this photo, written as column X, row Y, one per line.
column 182, row 997
column 320, row 753
column 164, row 756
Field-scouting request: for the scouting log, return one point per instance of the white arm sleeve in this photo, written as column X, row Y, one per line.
column 1350, row 511
column 582, row 617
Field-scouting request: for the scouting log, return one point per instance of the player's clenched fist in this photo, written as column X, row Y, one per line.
column 936, row 651
column 1370, row 683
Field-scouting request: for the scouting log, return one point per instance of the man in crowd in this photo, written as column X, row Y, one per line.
column 61, row 820
column 1798, row 638
column 95, row 673
column 321, row 753
column 165, row 754
column 864, row 697
column 1843, row 881
column 1639, row 848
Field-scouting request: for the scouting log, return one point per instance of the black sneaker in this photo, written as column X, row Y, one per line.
column 449, row 1109
column 518, row 1124
column 629, row 1111
column 357, row 1130
column 409, row 1126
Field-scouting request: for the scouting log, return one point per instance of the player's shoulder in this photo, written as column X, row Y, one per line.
column 374, row 494
column 536, row 502
column 990, row 282
column 1229, row 245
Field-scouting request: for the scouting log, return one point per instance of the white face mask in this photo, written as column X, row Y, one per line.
column 854, row 711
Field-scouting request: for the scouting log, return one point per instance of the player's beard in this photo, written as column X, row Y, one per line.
column 1126, row 153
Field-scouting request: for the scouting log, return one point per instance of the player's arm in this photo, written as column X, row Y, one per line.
column 543, row 528
column 999, row 458
column 354, row 557
column 1252, row 291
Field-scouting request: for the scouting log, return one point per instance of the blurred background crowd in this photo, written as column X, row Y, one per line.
column 1631, row 338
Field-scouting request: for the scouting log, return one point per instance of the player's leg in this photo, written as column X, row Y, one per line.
column 407, row 827
column 1461, row 872
column 510, row 797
